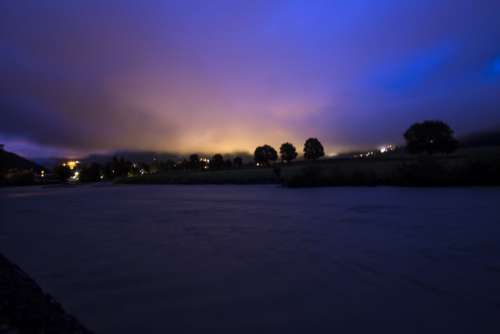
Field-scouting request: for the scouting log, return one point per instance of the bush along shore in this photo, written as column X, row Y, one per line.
column 26, row 309
column 423, row 172
column 471, row 168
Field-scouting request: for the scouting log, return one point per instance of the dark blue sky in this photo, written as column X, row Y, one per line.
column 84, row 76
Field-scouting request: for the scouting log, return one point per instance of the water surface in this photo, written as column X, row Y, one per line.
column 261, row 259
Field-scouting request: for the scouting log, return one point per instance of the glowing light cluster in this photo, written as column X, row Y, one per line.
column 365, row 155
column 72, row 164
column 386, row 148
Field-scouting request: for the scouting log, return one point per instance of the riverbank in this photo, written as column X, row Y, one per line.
column 25, row 308
column 467, row 168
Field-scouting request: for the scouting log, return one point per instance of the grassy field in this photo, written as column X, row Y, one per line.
column 465, row 167
column 233, row 176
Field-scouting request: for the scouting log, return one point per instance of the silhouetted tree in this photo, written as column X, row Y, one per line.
column 134, row 170
column 63, row 172
column 217, row 162
column 288, row 152
column 183, row 164
column 228, row 163
column 140, row 168
column 90, row 173
column 159, row 166
column 194, row 161
column 108, row 171
column 144, row 168
column 265, row 154
column 313, row 149
column 120, row 167
column 163, row 166
column 431, row 137
column 237, row 162
column 115, row 165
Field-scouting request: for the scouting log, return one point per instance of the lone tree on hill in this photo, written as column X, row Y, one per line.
column 313, row 149
column 431, row 137
column 217, row 161
column 265, row 154
column 288, row 152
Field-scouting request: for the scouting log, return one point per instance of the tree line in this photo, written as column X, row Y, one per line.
column 266, row 154
column 426, row 137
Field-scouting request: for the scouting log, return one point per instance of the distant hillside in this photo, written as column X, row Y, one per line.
column 149, row 156
column 136, row 156
column 103, row 158
column 49, row 162
column 484, row 138
column 9, row 160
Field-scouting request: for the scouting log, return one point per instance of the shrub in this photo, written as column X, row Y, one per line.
column 20, row 178
column 217, row 162
column 309, row 176
column 90, row 173
column 62, row 172
column 237, row 162
column 426, row 171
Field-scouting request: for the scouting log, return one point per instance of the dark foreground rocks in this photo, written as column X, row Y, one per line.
column 25, row 308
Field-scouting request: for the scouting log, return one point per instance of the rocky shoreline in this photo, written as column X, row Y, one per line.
column 25, row 308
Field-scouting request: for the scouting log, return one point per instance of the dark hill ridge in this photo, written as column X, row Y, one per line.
column 136, row 156
column 25, row 308
column 150, row 156
column 9, row 160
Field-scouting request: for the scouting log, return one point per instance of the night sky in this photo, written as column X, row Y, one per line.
column 220, row 76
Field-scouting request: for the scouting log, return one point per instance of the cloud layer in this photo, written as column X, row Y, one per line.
column 229, row 75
